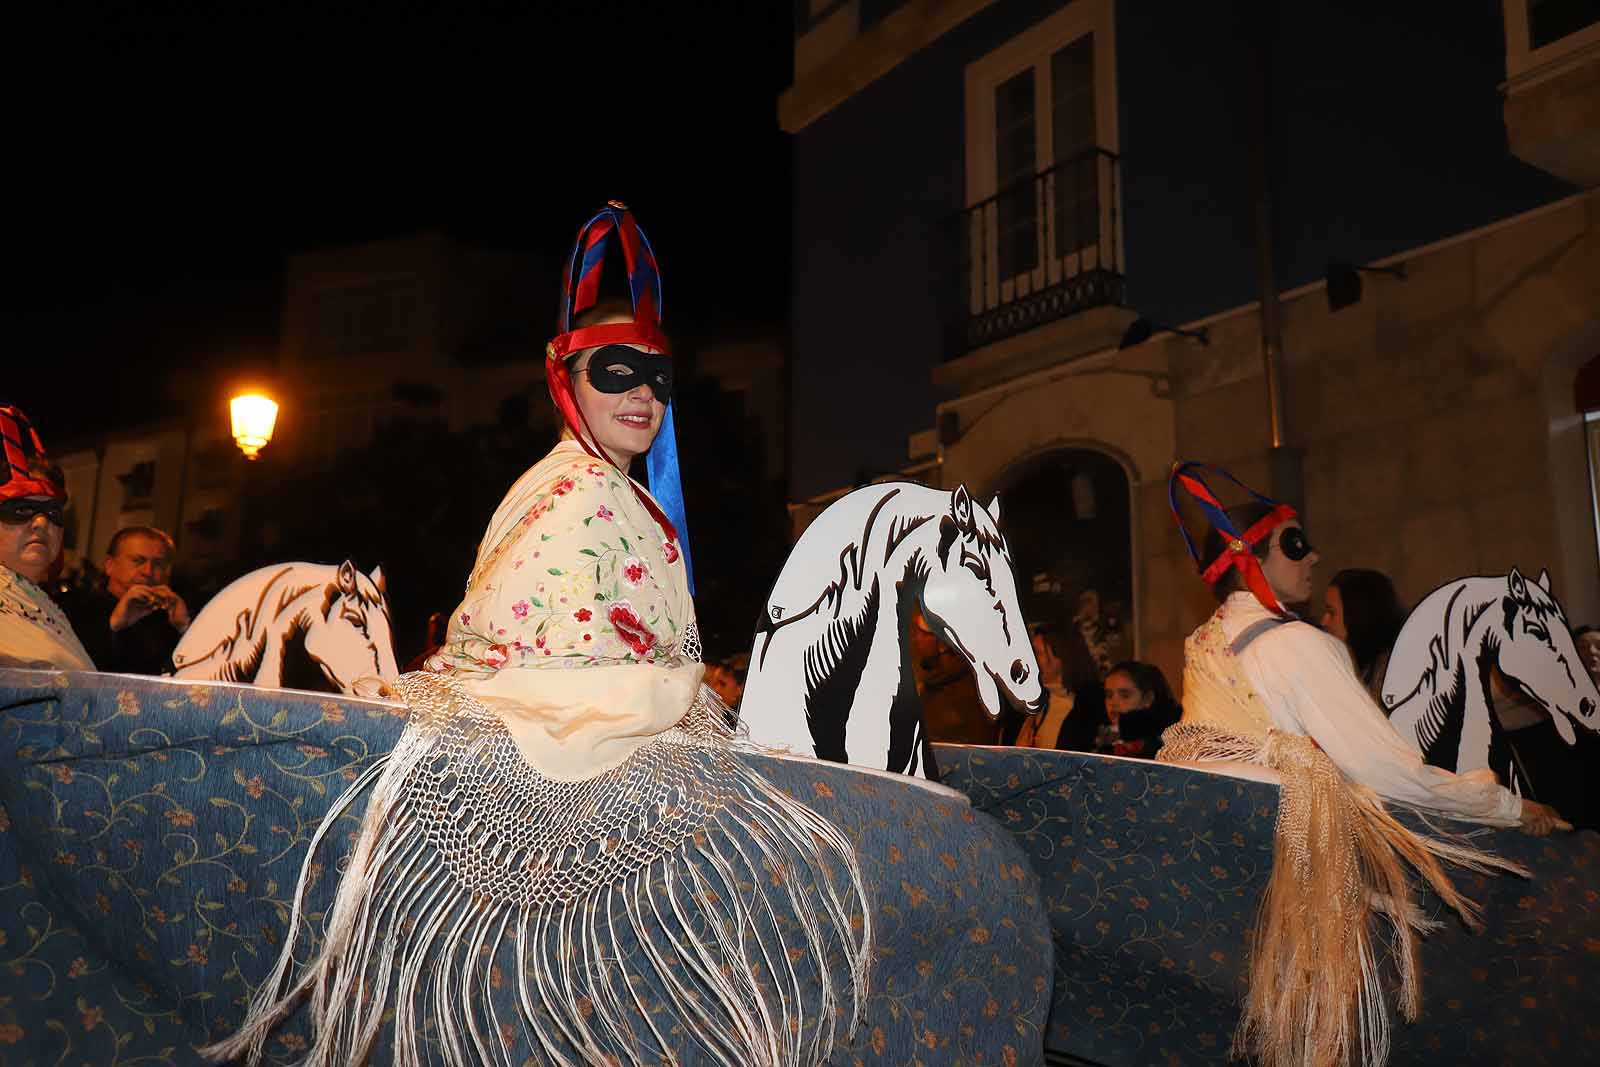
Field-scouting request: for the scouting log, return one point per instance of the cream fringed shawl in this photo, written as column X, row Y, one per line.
column 567, row 795
column 1315, row 994
column 33, row 631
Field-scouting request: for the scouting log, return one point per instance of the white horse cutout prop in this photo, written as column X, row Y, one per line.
column 1436, row 689
column 830, row 671
column 293, row 626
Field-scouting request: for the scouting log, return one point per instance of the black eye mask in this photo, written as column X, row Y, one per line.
column 1293, row 544
column 21, row 511
column 621, row 369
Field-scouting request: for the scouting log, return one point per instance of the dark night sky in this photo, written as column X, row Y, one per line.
column 170, row 156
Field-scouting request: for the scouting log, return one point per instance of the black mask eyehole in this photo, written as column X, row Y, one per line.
column 1294, row 544
column 620, row 369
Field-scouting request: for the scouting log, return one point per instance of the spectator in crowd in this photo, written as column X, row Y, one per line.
column 725, row 682
column 1043, row 730
column 1361, row 609
column 951, row 710
column 1587, row 638
column 133, row 621
column 438, row 624
column 1139, row 706
column 34, row 632
column 1547, row 768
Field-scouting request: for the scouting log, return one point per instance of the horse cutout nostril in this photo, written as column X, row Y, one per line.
column 1019, row 672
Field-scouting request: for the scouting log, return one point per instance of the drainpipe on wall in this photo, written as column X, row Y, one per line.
column 1286, row 477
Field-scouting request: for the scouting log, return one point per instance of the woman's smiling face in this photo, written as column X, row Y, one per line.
column 623, row 424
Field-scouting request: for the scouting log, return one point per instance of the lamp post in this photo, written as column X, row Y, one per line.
column 254, row 416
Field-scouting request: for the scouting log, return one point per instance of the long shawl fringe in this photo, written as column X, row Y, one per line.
column 749, row 912
column 1315, row 992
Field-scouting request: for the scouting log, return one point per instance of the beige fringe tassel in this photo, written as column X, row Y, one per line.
column 682, row 869
column 1314, row 988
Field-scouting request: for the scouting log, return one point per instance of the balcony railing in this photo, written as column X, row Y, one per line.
column 1041, row 249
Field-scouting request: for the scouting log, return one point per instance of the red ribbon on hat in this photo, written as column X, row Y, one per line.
column 1237, row 550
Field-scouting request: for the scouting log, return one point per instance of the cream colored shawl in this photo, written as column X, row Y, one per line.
column 574, row 625
column 33, row 631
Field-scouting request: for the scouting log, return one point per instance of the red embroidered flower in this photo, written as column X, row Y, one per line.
column 634, row 571
column 495, row 656
column 604, row 513
column 583, row 614
column 670, row 550
column 519, row 610
column 634, row 633
column 563, row 487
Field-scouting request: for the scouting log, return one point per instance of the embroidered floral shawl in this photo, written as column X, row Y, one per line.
column 574, row 621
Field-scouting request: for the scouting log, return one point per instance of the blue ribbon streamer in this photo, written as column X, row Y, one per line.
column 666, row 485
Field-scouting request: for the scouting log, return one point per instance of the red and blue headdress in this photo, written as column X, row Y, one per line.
column 580, row 291
column 1236, row 551
column 25, row 470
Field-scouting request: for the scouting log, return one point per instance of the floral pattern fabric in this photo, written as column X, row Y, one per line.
column 151, row 832
column 573, row 571
column 1151, row 875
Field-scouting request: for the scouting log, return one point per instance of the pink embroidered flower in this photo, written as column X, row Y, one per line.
column 583, row 614
column 564, row 486
column 634, row 633
column 604, row 513
column 519, row 610
column 670, row 550
column 495, row 656
column 634, row 571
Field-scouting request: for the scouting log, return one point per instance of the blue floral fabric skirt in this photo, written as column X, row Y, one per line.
column 152, row 833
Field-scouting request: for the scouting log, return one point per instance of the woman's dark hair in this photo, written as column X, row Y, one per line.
column 1373, row 616
column 1243, row 516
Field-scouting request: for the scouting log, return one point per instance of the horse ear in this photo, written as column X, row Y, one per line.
column 994, row 509
column 347, row 578
column 379, row 581
column 1544, row 579
column 1517, row 584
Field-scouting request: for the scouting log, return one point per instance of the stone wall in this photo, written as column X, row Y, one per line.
column 1428, row 418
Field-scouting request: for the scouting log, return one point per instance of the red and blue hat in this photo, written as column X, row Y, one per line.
column 1236, row 551
column 614, row 225
column 25, row 470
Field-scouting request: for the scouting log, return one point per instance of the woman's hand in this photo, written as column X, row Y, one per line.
column 1539, row 819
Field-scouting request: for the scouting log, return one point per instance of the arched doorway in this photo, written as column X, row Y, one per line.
column 1067, row 517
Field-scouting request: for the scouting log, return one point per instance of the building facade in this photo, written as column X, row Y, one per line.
column 988, row 195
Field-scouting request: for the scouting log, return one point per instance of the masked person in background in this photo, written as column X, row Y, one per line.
column 1261, row 686
column 34, row 632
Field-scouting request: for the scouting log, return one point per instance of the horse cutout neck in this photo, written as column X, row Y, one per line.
column 1439, row 690
column 830, row 669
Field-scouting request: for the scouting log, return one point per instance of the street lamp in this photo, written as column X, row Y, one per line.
column 254, row 415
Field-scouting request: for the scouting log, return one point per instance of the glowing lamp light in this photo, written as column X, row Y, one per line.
column 254, row 416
